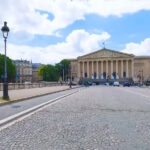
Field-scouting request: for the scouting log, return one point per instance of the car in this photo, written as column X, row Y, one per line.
column 147, row 83
column 106, row 83
column 116, row 83
column 126, row 84
column 96, row 82
column 87, row 83
column 110, row 83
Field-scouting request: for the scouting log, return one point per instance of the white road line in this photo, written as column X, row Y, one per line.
column 137, row 93
column 4, row 123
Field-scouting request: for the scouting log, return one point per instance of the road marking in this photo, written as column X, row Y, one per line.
column 4, row 123
column 136, row 93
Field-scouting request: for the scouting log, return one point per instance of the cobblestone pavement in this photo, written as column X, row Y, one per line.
column 96, row 118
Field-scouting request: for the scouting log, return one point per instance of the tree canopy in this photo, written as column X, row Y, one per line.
column 49, row 73
column 11, row 69
column 63, row 66
column 53, row 72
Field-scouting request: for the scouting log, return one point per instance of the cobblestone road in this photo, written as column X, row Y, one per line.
column 96, row 118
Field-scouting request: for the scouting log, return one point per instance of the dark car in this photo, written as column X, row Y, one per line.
column 126, row 84
column 96, row 82
column 111, row 83
column 87, row 83
column 147, row 83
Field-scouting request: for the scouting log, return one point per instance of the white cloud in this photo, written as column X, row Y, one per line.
column 142, row 48
column 22, row 15
column 77, row 43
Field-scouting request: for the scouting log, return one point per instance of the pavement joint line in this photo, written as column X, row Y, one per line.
column 32, row 110
column 136, row 93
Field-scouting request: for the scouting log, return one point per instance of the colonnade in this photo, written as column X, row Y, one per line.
column 122, row 68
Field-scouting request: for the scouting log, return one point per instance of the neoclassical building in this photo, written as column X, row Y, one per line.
column 23, row 71
column 110, row 64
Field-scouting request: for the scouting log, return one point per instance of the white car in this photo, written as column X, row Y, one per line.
column 116, row 83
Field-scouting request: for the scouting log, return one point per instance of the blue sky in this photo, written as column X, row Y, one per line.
column 49, row 31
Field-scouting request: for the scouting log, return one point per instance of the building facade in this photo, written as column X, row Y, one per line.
column 35, row 76
column 23, row 71
column 108, row 64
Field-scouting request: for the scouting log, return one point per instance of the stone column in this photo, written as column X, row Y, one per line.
column 132, row 62
column 102, row 70
column 111, row 67
column 106, row 69
column 97, row 74
column 88, row 74
column 116, row 67
column 121, row 68
column 127, row 68
column 79, row 70
column 92, row 68
column 83, row 71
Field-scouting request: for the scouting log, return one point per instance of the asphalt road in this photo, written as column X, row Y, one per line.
column 96, row 118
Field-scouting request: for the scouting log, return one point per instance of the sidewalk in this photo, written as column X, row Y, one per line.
column 16, row 95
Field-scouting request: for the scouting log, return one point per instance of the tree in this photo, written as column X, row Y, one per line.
column 52, row 73
column 63, row 66
column 40, row 71
column 11, row 69
column 49, row 73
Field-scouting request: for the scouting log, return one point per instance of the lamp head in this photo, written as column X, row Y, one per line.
column 5, row 30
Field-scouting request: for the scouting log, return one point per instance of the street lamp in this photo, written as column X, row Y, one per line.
column 5, row 31
column 70, row 76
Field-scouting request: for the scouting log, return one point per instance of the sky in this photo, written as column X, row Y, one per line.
column 47, row 31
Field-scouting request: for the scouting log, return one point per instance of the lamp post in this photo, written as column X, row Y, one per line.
column 70, row 76
column 5, row 31
column 141, row 71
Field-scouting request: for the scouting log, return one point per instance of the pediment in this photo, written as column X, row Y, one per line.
column 105, row 53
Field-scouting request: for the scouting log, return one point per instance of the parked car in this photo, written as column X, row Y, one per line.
column 126, row 84
column 147, row 83
column 116, row 83
column 106, row 83
column 88, row 83
column 96, row 82
column 111, row 83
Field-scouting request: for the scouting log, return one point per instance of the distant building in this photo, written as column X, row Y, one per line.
column 35, row 76
column 108, row 64
column 23, row 71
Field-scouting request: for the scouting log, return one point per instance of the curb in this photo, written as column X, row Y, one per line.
column 27, row 98
column 31, row 110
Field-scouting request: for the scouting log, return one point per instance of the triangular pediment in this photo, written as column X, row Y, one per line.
column 105, row 53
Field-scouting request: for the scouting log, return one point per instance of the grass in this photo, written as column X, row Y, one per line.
column 3, row 100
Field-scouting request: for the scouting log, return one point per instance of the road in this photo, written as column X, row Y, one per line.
column 95, row 118
column 14, row 108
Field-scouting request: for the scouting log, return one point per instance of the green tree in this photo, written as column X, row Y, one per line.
column 49, row 73
column 52, row 73
column 63, row 66
column 11, row 69
column 40, row 71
